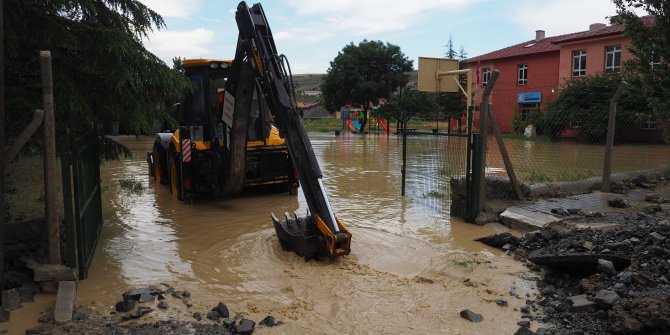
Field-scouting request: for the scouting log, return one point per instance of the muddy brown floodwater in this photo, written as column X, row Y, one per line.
column 403, row 276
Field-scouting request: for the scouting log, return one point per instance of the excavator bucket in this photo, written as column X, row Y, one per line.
column 305, row 237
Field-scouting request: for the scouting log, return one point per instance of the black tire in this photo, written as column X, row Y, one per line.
column 160, row 167
column 175, row 180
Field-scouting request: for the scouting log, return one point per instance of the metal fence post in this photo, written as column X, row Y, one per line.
column 404, row 161
column 611, row 124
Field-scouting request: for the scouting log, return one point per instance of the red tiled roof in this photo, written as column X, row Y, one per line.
column 551, row 43
column 521, row 49
column 606, row 31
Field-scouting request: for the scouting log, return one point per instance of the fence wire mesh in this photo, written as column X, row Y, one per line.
column 24, row 189
column 431, row 161
column 567, row 140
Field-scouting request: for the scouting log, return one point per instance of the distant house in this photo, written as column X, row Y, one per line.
column 531, row 72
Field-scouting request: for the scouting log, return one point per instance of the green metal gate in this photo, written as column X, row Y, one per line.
column 82, row 200
column 442, row 170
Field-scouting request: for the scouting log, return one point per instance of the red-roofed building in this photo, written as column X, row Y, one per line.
column 531, row 72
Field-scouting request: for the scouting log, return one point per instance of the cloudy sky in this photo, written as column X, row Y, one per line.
column 311, row 32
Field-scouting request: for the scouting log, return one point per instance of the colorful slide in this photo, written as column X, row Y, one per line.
column 351, row 125
column 384, row 124
column 356, row 124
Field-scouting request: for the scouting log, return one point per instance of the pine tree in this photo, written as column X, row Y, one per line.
column 101, row 69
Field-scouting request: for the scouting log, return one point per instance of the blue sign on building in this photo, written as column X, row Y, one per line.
column 529, row 97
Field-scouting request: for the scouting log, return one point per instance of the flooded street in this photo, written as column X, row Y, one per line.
column 404, row 274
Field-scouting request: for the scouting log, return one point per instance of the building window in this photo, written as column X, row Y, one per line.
column 579, row 63
column 613, row 58
column 650, row 124
column 523, row 74
column 486, row 74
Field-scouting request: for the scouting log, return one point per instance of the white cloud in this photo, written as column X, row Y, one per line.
column 190, row 44
column 173, row 8
column 561, row 17
column 371, row 16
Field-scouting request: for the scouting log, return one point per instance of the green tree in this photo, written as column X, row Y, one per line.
column 412, row 104
column 451, row 52
column 361, row 74
column 650, row 44
column 101, row 69
column 462, row 54
column 584, row 105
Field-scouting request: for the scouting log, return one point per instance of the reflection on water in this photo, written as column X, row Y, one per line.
column 403, row 275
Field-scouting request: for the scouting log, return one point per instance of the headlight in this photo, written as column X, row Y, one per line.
column 213, row 65
column 224, row 65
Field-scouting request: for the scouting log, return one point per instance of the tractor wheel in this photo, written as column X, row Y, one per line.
column 175, row 176
column 159, row 171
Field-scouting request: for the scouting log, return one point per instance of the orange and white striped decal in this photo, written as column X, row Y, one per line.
column 186, row 150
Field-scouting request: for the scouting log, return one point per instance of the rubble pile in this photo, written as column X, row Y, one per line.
column 603, row 281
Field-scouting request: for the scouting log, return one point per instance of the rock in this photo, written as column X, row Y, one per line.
column 588, row 245
column 640, row 278
column 625, row 277
column 11, row 299
column 524, row 323
column 564, row 243
column 548, row 290
column 268, row 321
column 499, row 240
column 163, row 305
column 575, row 211
column 541, row 331
column 213, row 315
column 471, row 316
column 524, row 331
column 651, row 197
column 142, row 311
column 501, row 302
column 197, row 316
column 607, row 298
column 618, row 203
column 135, row 294
column 548, row 233
column 620, row 189
column 229, row 322
column 245, row 327
column 524, row 309
column 620, row 288
column 594, row 214
column 560, row 211
column 145, row 297
column 222, row 309
column 606, row 267
column 125, row 306
column 580, row 303
column 656, row 237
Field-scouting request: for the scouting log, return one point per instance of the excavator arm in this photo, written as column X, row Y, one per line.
column 320, row 234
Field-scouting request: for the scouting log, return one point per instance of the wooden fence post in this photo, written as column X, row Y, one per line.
column 483, row 130
column 611, row 124
column 51, row 205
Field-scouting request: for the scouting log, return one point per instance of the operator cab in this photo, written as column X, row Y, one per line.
column 204, row 106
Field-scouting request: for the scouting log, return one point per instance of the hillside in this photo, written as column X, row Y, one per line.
column 312, row 81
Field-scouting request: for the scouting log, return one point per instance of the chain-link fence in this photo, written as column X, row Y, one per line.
column 431, row 161
column 568, row 140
